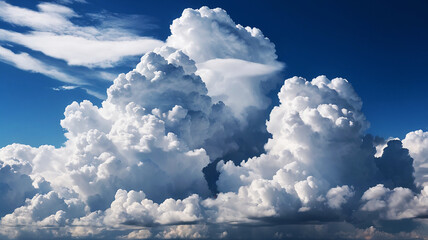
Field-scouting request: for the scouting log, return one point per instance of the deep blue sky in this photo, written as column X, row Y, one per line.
column 381, row 47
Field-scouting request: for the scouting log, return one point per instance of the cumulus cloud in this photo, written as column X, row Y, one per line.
column 396, row 166
column 16, row 185
column 184, row 232
column 231, row 40
column 317, row 158
column 45, row 210
column 398, row 203
column 312, row 117
column 417, row 143
column 338, row 196
column 133, row 207
column 232, row 60
column 138, row 234
column 132, row 168
column 237, row 80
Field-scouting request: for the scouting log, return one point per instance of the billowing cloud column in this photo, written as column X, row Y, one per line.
column 232, row 60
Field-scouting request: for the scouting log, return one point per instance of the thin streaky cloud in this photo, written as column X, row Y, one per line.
column 95, row 93
column 52, row 32
column 72, row 1
column 64, row 88
column 26, row 62
column 80, row 51
column 50, row 16
column 56, row 36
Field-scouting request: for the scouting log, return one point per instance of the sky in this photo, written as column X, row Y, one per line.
column 173, row 119
column 379, row 46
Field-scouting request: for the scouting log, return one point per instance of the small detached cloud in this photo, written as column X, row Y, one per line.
column 64, row 88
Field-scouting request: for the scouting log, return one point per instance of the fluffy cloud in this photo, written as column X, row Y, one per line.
column 45, row 210
column 398, row 203
column 312, row 117
column 138, row 234
column 184, row 232
column 317, row 158
column 417, row 143
column 315, row 145
column 192, row 33
column 132, row 168
column 133, row 207
column 338, row 196
column 232, row 60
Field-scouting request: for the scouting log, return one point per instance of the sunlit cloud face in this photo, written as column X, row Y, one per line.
column 135, row 166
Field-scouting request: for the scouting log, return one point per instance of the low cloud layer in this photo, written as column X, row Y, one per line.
column 133, row 168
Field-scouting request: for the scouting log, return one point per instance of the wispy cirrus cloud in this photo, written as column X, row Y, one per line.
column 55, row 35
column 51, row 31
column 26, row 62
column 81, row 51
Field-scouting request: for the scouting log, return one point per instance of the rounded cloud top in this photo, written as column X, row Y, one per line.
column 205, row 34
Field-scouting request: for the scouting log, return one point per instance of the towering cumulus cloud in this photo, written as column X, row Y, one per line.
column 232, row 60
column 132, row 168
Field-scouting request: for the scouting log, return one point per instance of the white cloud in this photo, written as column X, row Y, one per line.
column 184, row 232
column 64, row 88
column 204, row 34
column 53, row 33
column 237, row 82
column 398, row 203
column 45, row 210
column 417, row 143
column 134, row 207
column 25, row 62
column 232, row 60
column 49, row 17
column 137, row 160
column 16, row 184
column 338, row 196
column 317, row 143
column 78, row 50
column 95, row 93
column 316, row 136
column 138, row 234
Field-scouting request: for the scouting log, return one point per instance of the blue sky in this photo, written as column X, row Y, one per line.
column 212, row 129
column 379, row 46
